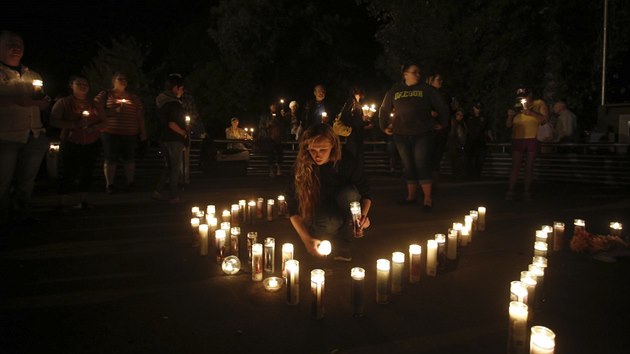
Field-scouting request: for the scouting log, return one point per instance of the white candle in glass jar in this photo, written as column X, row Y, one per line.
column 518, row 291
column 542, row 340
column 465, row 236
column 481, row 222
column 194, row 210
column 259, row 207
column 558, row 236
column 431, row 258
column 220, row 242
column 541, row 236
column 257, row 265
column 415, row 255
column 451, row 245
column 517, row 329
column 251, row 211
column 398, row 263
column 578, row 225
column 616, row 228
column 293, row 282
column 529, row 280
column 287, row 254
column 382, row 281
column 203, row 239
column 270, row 203
column 211, row 209
column 234, row 217
column 357, row 290
column 540, row 248
column 318, row 281
column 269, row 259
column 225, row 216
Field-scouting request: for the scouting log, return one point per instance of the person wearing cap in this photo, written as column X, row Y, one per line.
column 23, row 141
column 479, row 133
column 235, row 132
column 293, row 118
column 524, row 124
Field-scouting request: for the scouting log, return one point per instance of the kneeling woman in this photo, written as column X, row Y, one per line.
column 324, row 186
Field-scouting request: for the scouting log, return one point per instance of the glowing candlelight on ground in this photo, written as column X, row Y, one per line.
column 318, row 280
column 251, row 207
column 272, row 284
column 231, row 265
column 558, row 236
column 259, row 207
column 269, row 255
column 540, row 248
column 541, row 236
column 475, row 217
column 481, row 221
column 517, row 329
column 542, row 340
column 252, row 237
column 225, row 216
column 451, row 245
column 293, row 282
column 540, row 261
column 194, row 210
column 203, row 239
column 529, row 280
column 578, row 225
column 282, row 206
column 357, row 290
column 211, row 209
column 270, row 203
column 219, row 238
column 234, row 217
column 382, row 281
column 415, row 254
column 257, row 269
column 431, row 258
column 465, row 236
column 235, row 234
column 212, row 224
column 398, row 263
column 440, row 240
column 518, row 291
column 287, row 254
column 324, row 248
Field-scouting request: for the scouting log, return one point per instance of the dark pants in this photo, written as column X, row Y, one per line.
column 78, row 163
column 172, row 151
column 354, row 146
column 276, row 154
column 333, row 219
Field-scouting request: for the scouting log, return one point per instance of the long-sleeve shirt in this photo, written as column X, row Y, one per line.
column 16, row 121
column 80, row 120
column 332, row 179
column 412, row 106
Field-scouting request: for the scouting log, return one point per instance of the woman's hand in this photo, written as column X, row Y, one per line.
column 312, row 244
column 364, row 222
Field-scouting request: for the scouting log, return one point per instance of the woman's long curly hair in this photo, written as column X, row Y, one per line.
column 306, row 171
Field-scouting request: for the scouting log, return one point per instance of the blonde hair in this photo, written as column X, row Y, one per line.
column 306, row 171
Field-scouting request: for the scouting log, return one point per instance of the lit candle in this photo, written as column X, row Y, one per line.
column 194, row 210
column 398, row 263
column 287, row 254
column 225, row 216
column 235, row 234
column 38, row 84
column 558, row 236
column 540, row 261
column 203, row 239
column 257, row 254
column 475, row 217
column 219, row 237
column 365, row 109
column 231, row 265
column 272, row 284
column 357, row 290
column 293, row 282
column 415, row 254
column 270, row 203
column 252, row 237
column 517, row 329
column 431, row 258
column 225, row 226
column 518, row 291
column 324, row 248
column 259, row 207
column 541, row 236
column 38, row 89
column 616, row 228
column 282, row 206
column 441, row 250
column 242, row 209
column 324, row 117
column 540, row 248
column 542, row 340
column 53, row 147
column 85, row 114
column 465, row 236
column 382, row 281
column 458, row 226
column 481, row 222
column 468, row 223
column 355, row 211
column 318, row 280
column 539, row 273
column 211, row 210
column 194, row 225
column 251, row 207
column 212, row 224
column 451, row 245
column 578, row 225
column 234, row 217
column 529, row 280
column 187, row 118
column 269, row 255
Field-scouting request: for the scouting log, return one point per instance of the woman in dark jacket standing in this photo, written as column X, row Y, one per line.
column 413, row 126
column 353, row 115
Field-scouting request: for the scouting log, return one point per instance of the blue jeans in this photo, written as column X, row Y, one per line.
column 19, row 162
column 172, row 151
column 414, row 151
column 333, row 219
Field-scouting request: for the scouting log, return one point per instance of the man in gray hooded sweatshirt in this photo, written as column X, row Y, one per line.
column 173, row 136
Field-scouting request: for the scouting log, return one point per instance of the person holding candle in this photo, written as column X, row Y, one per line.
column 324, row 184
column 524, row 124
column 353, row 115
column 271, row 130
column 413, row 128
column 80, row 121
column 236, row 133
column 173, row 136
column 125, row 123
column 23, row 142
column 318, row 110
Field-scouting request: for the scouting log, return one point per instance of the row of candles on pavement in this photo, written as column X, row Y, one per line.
column 525, row 293
column 261, row 257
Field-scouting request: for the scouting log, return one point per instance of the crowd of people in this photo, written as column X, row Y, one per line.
column 421, row 123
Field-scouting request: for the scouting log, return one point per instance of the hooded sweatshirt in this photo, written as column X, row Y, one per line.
column 170, row 109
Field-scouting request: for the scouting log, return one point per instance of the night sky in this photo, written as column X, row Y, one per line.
column 61, row 37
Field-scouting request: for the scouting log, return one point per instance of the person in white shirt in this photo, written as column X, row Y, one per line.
column 566, row 123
